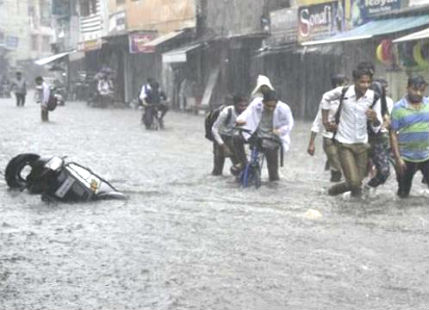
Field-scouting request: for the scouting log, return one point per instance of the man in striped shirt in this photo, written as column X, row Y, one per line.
column 410, row 135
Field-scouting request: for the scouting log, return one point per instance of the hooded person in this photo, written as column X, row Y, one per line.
column 263, row 85
column 271, row 119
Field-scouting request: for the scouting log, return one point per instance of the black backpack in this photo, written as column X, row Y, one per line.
column 211, row 118
column 52, row 102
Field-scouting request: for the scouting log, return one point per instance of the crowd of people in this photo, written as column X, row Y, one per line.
column 364, row 132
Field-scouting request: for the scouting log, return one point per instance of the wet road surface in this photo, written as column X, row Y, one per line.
column 187, row 240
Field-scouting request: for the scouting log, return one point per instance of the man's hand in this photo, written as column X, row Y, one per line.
column 371, row 115
column 311, row 149
column 386, row 122
column 401, row 166
column 331, row 126
column 277, row 132
column 226, row 150
column 240, row 123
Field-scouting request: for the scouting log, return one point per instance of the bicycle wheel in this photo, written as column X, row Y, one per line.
column 255, row 176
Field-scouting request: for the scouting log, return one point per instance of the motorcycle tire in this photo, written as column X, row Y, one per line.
column 15, row 167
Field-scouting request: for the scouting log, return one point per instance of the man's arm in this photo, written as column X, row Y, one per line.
column 400, row 164
column 216, row 125
column 311, row 147
column 375, row 117
column 325, row 103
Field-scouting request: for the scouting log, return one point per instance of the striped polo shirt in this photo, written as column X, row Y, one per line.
column 412, row 127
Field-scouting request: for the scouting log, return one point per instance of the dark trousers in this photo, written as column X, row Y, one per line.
column 45, row 115
column 20, row 100
column 379, row 155
column 406, row 179
column 219, row 155
column 271, row 156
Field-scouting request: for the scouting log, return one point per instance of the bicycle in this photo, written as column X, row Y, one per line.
column 151, row 118
column 251, row 173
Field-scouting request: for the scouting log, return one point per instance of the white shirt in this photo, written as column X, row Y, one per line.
column 317, row 126
column 43, row 94
column 353, row 121
column 144, row 92
column 282, row 119
column 221, row 127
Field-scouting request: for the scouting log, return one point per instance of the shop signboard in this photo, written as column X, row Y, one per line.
column 117, row 22
column 320, row 20
column 362, row 11
column 284, row 24
column 138, row 40
column 90, row 45
column 418, row 2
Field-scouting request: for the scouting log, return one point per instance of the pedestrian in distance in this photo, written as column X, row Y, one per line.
column 272, row 120
column 227, row 142
column 44, row 93
column 359, row 109
column 409, row 135
column 153, row 99
column 19, row 87
column 329, row 146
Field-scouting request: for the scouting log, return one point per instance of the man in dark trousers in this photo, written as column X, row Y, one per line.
column 19, row 86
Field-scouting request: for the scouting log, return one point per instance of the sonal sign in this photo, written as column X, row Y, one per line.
column 320, row 20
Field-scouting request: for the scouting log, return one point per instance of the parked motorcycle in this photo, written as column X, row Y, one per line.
column 58, row 180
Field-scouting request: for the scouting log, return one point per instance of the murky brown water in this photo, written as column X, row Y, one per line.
column 187, row 240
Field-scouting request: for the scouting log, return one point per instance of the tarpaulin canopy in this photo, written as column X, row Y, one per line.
column 179, row 54
column 46, row 60
column 419, row 35
column 375, row 28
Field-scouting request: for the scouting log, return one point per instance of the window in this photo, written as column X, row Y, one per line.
column 87, row 7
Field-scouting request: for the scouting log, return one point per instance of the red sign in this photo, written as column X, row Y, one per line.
column 137, row 43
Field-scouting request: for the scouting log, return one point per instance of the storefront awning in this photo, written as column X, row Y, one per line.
column 162, row 39
column 46, row 60
column 375, row 28
column 419, row 35
column 179, row 55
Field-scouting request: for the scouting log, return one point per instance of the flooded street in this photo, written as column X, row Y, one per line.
column 187, row 240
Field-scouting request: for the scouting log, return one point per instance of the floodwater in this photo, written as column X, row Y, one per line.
column 187, row 240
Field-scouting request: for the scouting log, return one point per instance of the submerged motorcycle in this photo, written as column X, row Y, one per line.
column 57, row 179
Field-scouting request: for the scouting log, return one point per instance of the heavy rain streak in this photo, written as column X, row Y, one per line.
column 195, row 154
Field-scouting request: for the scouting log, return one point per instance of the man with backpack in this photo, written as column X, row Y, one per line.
column 152, row 98
column 359, row 109
column 44, row 96
column 329, row 147
column 222, row 134
column 379, row 141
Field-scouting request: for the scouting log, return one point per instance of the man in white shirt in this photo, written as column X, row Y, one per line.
column 269, row 118
column 223, row 133
column 356, row 112
column 329, row 147
column 43, row 98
